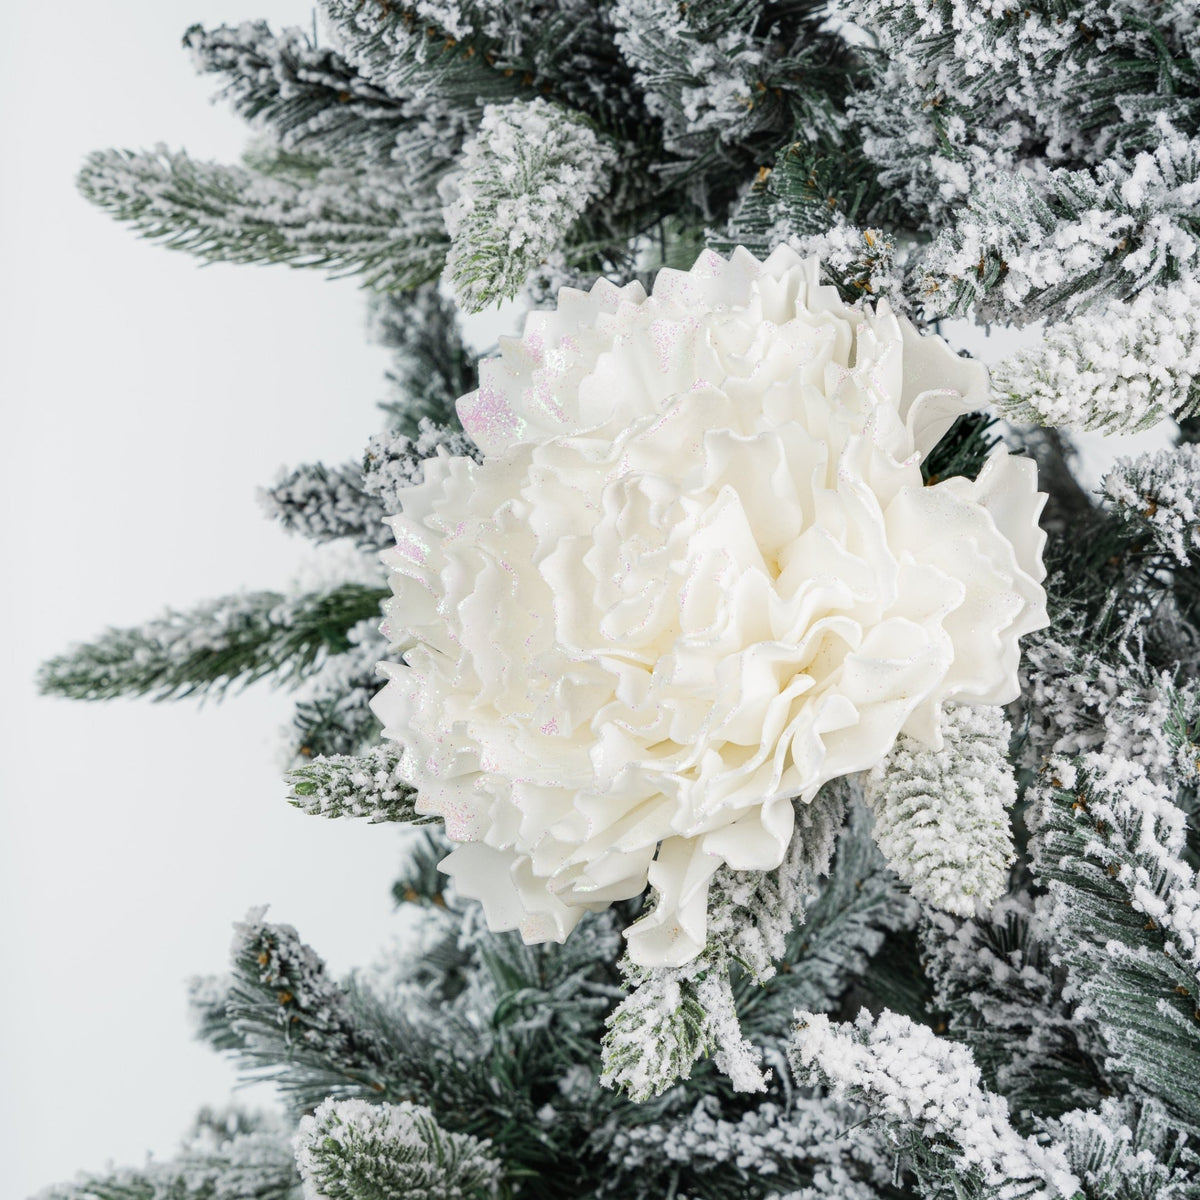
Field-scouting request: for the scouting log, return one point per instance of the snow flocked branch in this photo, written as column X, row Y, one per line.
column 383, row 223
column 1121, row 367
column 248, row 1164
column 996, row 989
column 234, row 640
column 345, row 786
column 326, row 503
column 929, row 1094
column 352, row 1150
column 393, row 461
column 675, row 1015
column 1023, row 250
column 527, row 176
column 431, row 367
column 1046, row 89
column 1160, row 491
column 1124, row 906
column 308, row 96
column 1124, row 1150
column 827, row 933
column 283, row 1018
column 942, row 816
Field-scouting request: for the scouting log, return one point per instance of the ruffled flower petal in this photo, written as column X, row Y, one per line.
column 695, row 577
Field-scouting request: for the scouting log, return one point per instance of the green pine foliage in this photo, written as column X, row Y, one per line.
column 850, row 921
column 731, row 81
column 528, row 175
column 334, row 723
column 955, row 1134
column 963, row 450
column 1122, row 368
column 942, row 815
column 395, row 461
column 664, row 1026
column 344, row 786
column 308, row 96
column 1110, row 578
column 285, row 1020
column 1127, row 224
column 333, row 715
column 351, row 1150
column 378, row 222
column 366, row 141
column 1128, row 1151
column 431, row 367
column 1159, row 494
column 765, row 957
column 805, row 191
column 674, row 1016
column 419, row 880
column 1126, row 907
column 996, row 989
column 504, row 1042
column 456, row 57
column 232, row 641
column 324, row 504
column 248, row 1165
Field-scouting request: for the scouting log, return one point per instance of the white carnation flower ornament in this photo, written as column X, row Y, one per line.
column 695, row 576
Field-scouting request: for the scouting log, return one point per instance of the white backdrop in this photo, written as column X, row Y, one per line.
column 144, row 400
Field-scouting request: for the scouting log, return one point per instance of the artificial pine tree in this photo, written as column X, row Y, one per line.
column 973, row 969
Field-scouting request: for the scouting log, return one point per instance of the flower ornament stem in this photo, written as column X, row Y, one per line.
column 694, row 577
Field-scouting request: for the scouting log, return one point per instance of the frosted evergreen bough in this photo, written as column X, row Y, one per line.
column 997, row 990
column 377, row 222
column 847, row 919
column 696, row 66
column 1124, row 1151
column 440, row 58
column 527, row 176
column 1120, row 367
column 234, row 640
column 351, row 1150
column 539, row 1011
column 674, row 1016
column 751, row 913
column 323, row 503
column 1024, row 249
column 1162, row 491
column 722, row 79
column 254, row 1165
column 859, row 260
column 1078, row 701
column 431, row 367
column 964, row 92
column 307, row 96
column 920, row 1084
column 773, row 1139
column 1142, row 833
column 1124, row 901
column 344, row 786
column 671, row 1018
column 942, row 816
column 333, row 713
column 283, row 1017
